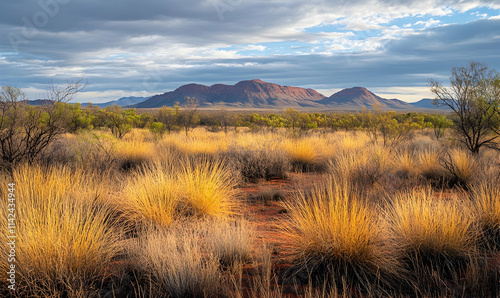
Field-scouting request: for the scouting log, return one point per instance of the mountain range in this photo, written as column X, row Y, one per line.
column 260, row 94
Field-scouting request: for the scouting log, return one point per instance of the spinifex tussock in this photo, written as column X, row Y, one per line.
column 66, row 235
column 333, row 230
column 486, row 203
column 161, row 192
column 208, row 188
column 432, row 233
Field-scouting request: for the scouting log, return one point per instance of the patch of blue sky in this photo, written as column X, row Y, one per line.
column 457, row 17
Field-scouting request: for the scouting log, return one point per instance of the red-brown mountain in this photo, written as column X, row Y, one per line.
column 250, row 94
column 358, row 97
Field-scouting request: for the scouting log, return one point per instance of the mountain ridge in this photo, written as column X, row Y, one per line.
column 249, row 93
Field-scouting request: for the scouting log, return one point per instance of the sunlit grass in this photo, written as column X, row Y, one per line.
column 208, row 188
column 460, row 165
column 152, row 196
column 303, row 152
column 428, row 164
column 160, row 192
column 433, row 234
column 134, row 153
column 333, row 229
column 64, row 228
column 486, row 202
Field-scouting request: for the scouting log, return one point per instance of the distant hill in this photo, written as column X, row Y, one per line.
column 427, row 103
column 245, row 94
column 259, row 94
column 123, row 102
column 358, row 97
column 39, row 102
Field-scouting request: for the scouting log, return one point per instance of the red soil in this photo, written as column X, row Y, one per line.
column 265, row 217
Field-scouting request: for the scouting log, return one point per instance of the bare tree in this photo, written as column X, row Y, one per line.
column 26, row 131
column 189, row 113
column 474, row 98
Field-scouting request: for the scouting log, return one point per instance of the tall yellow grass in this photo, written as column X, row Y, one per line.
column 486, row 203
column 428, row 164
column 423, row 223
column 65, row 232
column 151, row 196
column 333, row 228
column 302, row 151
column 161, row 192
column 208, row 188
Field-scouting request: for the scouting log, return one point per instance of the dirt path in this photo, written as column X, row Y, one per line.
column 264, row 211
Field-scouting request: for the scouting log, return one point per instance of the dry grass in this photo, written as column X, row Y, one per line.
column 176, row 264
column 428, row 164
column 362, row 168
column 303, row 153
column 65, row 234
column 189, row 259
column 460, row 165
column 486, row 203
column 406, row 164
column 436, row 237
column 230, row 241
column 420, row 221
column 132, row 154
column 152, row 196
column 160, row 192
column 332, row 229
column 197, row 142
column 208, row 188
column 258, row 163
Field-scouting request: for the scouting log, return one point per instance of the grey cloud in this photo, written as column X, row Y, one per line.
column 83, row 30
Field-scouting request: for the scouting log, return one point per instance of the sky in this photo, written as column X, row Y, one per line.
column 142, row 48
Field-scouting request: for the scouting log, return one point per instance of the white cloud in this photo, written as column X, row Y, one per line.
column 252, row 47
column 429, row 23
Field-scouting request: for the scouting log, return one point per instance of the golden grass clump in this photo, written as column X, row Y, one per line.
column 152, row 196
column 134, row 153
column 197, row 142
column 230, row 240
column 345, row 142
column 333, row 229
column 432, row 232
column 363, row 168
column 66, row 236
column 428, row 164
column 301, row 151
column 486, row 203
column 406, row 164
column 460, row 165
column 208, row 188
column 160, row 193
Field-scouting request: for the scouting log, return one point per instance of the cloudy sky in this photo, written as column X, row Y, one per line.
column 142, row 48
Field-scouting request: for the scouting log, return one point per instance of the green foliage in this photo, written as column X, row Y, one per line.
column 120, row 122
column 389, row 127
column 157, row 128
